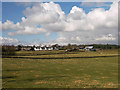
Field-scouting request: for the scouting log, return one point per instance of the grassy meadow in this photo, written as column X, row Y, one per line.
column 61, row 69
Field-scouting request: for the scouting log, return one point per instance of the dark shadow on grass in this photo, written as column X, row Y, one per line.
column 11, row 70
column 62, row 57
column 12, row 81
column 49, row 53
column 8, row 77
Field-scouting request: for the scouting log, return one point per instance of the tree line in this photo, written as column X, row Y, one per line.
column 11, row 49
column 8, row 50
column 96, row 46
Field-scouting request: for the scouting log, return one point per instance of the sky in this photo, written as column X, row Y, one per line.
column 59, row 22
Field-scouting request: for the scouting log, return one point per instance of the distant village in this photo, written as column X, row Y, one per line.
column 39, row 48
column 10, row 49
column 69, row 47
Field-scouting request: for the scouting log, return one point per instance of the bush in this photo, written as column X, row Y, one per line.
column 19, row 47
column 8, row 50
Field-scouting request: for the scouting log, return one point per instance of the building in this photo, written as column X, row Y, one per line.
column 88, row 47
column 43, row 48
column 37, row 48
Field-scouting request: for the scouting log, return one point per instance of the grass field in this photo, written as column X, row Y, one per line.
column 60, row 69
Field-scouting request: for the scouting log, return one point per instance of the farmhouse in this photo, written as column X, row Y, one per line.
column 88, row 47
column 43, row 48
column 37, row 48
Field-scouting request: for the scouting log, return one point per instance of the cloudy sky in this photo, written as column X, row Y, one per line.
column 59, row 22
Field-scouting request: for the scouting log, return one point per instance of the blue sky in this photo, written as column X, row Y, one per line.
column 14, row 12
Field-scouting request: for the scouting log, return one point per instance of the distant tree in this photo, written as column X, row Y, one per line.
column 33, row 46
column 55, row 46
column 8, row 50
column 69, row 46
column 106, row 46
column 72, row 46
column 32, row 49
column 19, row 47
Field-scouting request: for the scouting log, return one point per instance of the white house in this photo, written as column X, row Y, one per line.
column 43, row 48
column 37, row 49
column 88, row 47
column 50, row 48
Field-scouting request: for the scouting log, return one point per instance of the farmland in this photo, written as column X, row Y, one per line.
column 61, row 69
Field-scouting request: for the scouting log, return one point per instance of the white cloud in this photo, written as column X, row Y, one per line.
column 90, row 27
column 44, row 13
column 9, row 25
column 108, row 37
column 76, row 27
column 8, row 41
column 28, row 30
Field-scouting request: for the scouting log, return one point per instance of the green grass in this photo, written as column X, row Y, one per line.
column 61, row 73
